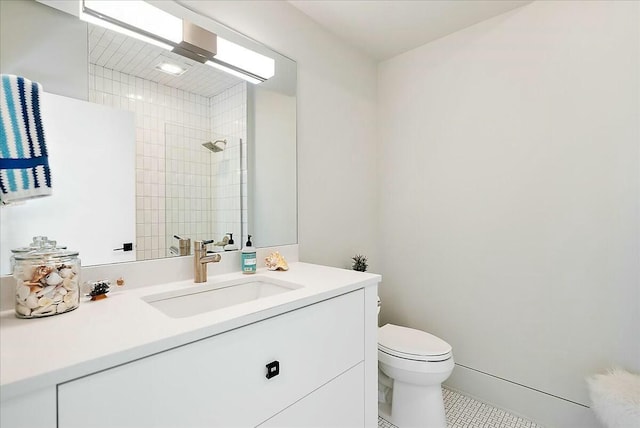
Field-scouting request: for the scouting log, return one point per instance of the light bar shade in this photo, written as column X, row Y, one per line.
column 245, row 59
column 99, row 22
column 233, row 72
column 137, row 15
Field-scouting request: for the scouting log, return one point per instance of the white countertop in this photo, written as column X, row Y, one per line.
column 38, row 353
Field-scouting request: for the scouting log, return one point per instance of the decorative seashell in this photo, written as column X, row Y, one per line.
column 71, row 297
column 69, row 283
column 57, row 298
column 46, row 290
column 23, row 310
column 62, row 291
column 45, row 310
column 61, row 307
column 27, row 271
column 40, row 272
column 275, row 261
column 65, row 272
column 22, row 292
column 32, row 301
column 53, row 278
column 35, row 288
column 43, row 302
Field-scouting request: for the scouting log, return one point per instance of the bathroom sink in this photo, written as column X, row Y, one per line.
column 207, row 298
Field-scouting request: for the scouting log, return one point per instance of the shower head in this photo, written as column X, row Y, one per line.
column 215, row 146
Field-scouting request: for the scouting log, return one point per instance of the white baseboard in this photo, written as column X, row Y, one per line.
column 541, row 408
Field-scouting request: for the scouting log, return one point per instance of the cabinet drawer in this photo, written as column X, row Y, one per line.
column 221, row 380
column 338, row 404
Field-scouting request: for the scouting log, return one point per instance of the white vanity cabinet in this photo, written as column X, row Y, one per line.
column 34, row 410
column 221, row 381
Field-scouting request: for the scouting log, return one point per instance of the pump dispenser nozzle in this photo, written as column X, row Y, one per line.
column 231, row 246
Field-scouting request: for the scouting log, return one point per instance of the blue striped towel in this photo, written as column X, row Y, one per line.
column 24, row 166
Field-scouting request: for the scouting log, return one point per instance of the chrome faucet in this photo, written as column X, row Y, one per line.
column 201, row 259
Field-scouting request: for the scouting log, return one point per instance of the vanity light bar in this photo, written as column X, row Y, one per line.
column 141, row 20
column 245, row 59
column 241, row 74
column 135, row 18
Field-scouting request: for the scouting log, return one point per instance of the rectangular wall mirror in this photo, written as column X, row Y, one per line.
column 213, row 154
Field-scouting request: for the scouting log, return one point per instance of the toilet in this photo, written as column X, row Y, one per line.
column 412, row 364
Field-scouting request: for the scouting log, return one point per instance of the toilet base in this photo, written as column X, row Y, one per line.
column 415, row 406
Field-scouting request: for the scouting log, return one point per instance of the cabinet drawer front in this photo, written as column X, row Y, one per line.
column 221, row 380
column 338, row 404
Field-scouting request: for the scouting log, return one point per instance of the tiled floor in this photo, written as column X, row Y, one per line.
column 465, row 412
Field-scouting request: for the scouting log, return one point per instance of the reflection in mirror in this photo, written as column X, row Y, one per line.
column 181, row 187
column 179, row 105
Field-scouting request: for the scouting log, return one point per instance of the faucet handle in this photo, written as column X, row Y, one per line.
column 201, row 245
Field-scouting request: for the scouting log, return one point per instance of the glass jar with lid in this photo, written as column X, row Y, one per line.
column 47, row 282
column 38, row 243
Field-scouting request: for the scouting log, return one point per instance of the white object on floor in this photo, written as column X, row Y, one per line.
column 417, row 363
column 615, row 398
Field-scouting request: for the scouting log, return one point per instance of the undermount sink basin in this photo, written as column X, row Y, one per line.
column 207, row 298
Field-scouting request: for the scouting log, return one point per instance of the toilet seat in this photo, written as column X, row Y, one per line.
column 412, row 344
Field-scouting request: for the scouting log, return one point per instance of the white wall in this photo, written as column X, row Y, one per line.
column 62, row 47
column 509, row 199
column 337, row 196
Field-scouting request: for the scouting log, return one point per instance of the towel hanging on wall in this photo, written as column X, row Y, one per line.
column 24, row 165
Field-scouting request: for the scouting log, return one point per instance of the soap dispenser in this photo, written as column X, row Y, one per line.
column 249, row 259
column 231, row 246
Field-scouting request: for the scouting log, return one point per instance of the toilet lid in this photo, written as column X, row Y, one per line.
column 413, row 344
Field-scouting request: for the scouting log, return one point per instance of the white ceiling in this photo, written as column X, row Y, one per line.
column 386, row 28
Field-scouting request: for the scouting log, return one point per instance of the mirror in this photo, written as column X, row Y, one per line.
column 213, row 153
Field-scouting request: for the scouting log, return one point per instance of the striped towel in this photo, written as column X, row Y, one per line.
column 24, row 166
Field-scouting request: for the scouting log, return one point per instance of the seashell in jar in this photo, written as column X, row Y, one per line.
column 65, row 272
column 57, row 297
column 46, row 290
column 23, row 310
column 45, row 310
column 44, row 302
column 24, row 271
column 22, row 292
column 40, row 272
column 71, row 298
column 32, row 301
column 53, row 278
column 33, row 286
column 61, row 307
column 70, row 283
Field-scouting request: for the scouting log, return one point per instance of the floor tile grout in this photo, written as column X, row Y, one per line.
column 467, row 412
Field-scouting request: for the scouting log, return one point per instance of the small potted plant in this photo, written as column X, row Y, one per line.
column 359, row 263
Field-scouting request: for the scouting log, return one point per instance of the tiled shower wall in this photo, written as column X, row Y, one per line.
column 188, row 184
column 229, row 120
column 166, row 120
